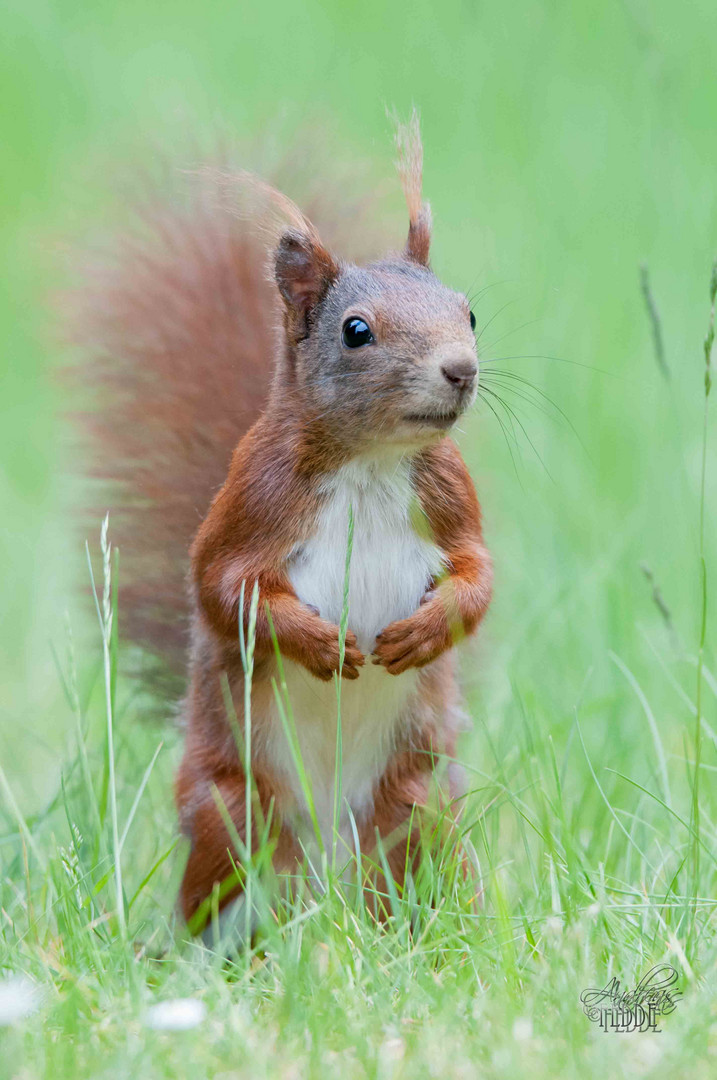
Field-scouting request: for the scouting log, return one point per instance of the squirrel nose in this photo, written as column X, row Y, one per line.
column 460, row 373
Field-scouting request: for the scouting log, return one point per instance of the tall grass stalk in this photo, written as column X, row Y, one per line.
column 107, row 616
column 343, row 628
column 654, row 317
column 247, row 645
column 288, row 723
column 695, row 811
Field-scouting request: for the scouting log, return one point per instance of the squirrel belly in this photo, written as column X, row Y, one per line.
column 391, row 567
column 377, row 712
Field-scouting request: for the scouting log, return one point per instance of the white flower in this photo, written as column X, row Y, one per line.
column 19, row 997
column 178, row 1014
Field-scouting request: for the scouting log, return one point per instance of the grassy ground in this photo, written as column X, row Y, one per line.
column 565, row 146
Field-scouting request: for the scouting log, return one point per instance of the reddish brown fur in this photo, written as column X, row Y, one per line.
column 265, row 506
column 263, row 509
column 211, row 777
column 177, row 319
column 183, row 328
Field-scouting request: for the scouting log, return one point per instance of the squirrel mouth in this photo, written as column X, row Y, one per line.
column 433, row 419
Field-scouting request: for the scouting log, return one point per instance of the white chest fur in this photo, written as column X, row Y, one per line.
column 391, row 566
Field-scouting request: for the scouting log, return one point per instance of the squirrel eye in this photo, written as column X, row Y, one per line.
column 473, row 321
column 356, row 333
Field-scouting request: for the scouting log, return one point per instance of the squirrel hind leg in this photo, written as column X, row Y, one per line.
column 213, row 877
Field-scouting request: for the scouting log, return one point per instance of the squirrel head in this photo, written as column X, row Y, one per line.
column 382, row 354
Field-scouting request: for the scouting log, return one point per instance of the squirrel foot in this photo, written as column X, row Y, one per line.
column 413, row 642
column 320, row 652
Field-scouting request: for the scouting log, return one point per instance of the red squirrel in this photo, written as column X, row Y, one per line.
column 372, row 366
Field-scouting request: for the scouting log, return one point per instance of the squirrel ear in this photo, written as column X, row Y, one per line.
column 410, row 170
column 304, row 270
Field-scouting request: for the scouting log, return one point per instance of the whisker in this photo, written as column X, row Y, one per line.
column 543, row 356
column 515, row 330
column 526, row 397
column 522, row 428
column 507, row 440
column 486, row 288
column 469, row 293
column 500, row 374
column 497, row 373
column 493, row 317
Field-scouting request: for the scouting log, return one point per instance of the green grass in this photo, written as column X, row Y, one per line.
column 566, row 147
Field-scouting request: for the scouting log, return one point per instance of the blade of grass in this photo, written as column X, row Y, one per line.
column 107, row 614
column 339, row 751
column 695, row 808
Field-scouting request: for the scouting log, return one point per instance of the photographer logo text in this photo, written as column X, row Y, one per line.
column 640, row 1009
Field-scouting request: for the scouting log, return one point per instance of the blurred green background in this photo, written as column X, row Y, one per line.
column 566, row 144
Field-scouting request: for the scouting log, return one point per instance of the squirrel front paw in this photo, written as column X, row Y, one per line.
column 319, row 652
column 415, row 641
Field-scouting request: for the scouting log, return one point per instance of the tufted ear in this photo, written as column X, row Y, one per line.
column 410, row 170
column 304, row 271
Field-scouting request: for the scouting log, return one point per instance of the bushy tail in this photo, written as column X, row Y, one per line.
column 176, row 321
